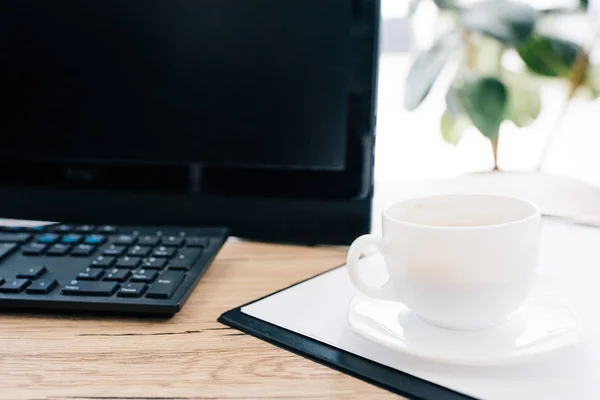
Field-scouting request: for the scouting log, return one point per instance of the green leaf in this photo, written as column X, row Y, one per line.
column 454, row 103
column 548, row 56
column 425, row 69
column 507, row 21
column 453, row 127
column 485, row 101
column 524, row 103
column 446, row 5
column 583, row 4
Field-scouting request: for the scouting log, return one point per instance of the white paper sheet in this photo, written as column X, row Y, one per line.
column 7, row 222
column 570, row 258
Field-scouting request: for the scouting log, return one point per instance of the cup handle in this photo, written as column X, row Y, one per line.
column 385, row 292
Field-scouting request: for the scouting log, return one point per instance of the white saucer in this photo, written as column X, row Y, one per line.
column 545, row 323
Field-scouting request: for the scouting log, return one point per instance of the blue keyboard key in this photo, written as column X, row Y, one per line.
column 48, row 238
column 72, row 238
column 95, row 239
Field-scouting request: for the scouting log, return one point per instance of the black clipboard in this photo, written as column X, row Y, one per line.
column 359, row 367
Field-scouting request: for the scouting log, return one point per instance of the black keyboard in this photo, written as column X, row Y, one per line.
column 131, row 270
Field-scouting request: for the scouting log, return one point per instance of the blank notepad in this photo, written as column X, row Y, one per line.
column 570, row 259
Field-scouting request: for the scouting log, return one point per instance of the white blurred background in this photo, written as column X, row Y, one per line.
column 409, row 145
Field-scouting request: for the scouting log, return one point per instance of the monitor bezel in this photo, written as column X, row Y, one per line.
column 337, row 210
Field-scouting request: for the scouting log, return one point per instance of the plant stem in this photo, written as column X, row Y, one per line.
column 577, row 76
column 495, row 151
column 470, row 51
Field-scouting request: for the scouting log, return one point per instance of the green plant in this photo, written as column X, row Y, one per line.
column 484, row 93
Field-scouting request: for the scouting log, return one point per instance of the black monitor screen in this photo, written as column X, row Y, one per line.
column 233, row 82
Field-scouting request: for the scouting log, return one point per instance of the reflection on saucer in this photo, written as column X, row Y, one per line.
column 545, row 323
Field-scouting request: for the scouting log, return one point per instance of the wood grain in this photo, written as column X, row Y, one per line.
column 190, row 356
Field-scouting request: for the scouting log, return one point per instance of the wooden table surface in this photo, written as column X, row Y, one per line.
column 190, row 356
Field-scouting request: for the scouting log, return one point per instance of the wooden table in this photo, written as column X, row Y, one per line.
column 190, row 356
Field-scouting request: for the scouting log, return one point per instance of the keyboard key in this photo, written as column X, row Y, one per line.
column 71, row 238
column 59, row 249
column 148, row 240
column 139, row 251
column 35, row 229
column 42, row 286
column 84, row 288
column 14, row 237
column 163, row 251
column 6, row 249
column 125, row 239
column 90, row 274
column 34, row 249
column 117, row 275
column 142, row 275
column 165, row 285
column 14, row 285
column 196, row 242
column 85, row 229
column 48, row 238
column 154, row 263
column 114, row 250
column 185, row 259
column 95, row 239
column 83, row 250
column 63, row 228
column 128, row 262
column 172, row 241
column 107, row 229
column 32, row 272
column 132, row 290
column 103, row 262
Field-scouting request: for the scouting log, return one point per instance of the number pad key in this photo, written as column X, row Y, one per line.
column 148, row 240
column 125, row 239
column 163, row 251
column 32, row 272
column 165, row 285
column 103, row 262
column 34, row 249
column 83, row 250
column 114, row 250
column 59, row 249
column 90, row 274
column 172, row 241
column 154, row 263
column 14, row 285
column 195, row 241
column 132, row 290
column 142, row 275
column 139, row 251
column 42, row 286
column 128, row 262
column 185, row 259
column 84, row 288
column 117, row 275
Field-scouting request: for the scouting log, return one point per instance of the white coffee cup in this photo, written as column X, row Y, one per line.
column 458, row 261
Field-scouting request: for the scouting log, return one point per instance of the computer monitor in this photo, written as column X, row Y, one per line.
column 255, row 115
